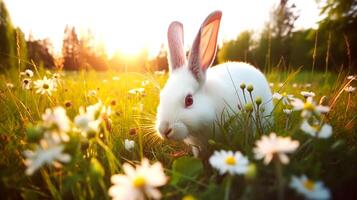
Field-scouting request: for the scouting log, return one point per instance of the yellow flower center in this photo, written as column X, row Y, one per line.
column 45, row 86
column 230, row 160
column 309, row 106
column 139, row 181
column 309, row 185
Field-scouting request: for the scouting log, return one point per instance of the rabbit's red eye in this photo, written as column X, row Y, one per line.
column 188, row 100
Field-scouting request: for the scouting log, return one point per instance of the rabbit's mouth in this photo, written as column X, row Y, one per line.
column 172, row 131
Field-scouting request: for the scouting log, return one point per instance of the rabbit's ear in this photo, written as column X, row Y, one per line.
column 204, row 46
column 176, row 49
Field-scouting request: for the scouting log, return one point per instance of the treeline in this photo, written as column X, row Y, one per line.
column 279, row 46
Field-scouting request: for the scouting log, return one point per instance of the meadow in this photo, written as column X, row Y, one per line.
column 70, row 141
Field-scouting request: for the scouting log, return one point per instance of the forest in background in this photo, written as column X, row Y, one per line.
column 330, row 47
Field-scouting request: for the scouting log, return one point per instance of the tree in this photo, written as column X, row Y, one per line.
column 70, row 49
column 39, row 52
column 237, row 50
column 7, row 39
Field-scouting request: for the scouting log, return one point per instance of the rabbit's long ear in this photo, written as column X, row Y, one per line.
column 176, row 49
column 204, row 46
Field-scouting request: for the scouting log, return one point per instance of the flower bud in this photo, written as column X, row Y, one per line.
column 250, row 88
column 258, row 100
column 248, row 107
column 242, row 86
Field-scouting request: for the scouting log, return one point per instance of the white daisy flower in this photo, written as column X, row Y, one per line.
column 92, row 93
column 145, row 83
column 129, row 144
column 26, row 83
column 27, row 73
column 310, row 189
column 57, row 118
column 275, row 146
column 285, row 98
column 352, row 77
column 287, row 111
column 323, row 131
column 115, row 78
column 308, row 107
column 10, row 85
column 350, row 89
column 47, row 152
column 138, row 183
column 307, row 94
column 137, row 91
column 227, row 161
column 160, row 73
column 45, row 86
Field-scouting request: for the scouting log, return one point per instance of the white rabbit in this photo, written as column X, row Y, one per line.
column 195, row 95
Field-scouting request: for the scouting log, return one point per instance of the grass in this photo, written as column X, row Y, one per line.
column 95, row 159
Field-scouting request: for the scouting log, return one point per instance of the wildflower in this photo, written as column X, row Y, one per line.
column 309, row 188
column 115, row 78
column 92, row 93
column 145, row 83
column 307, row 94
column 45, row 86
column 160, row 73
column 271, row 84
column 56, row 76
column 26, row 83
column 137, row 91
column 352, row 77
column 320, row 131
column 10, row 85
column 350, row 89
column 275, row 146
column 227, row 161
column 287, row 111
column 57, row 120
column 47, row 152
column 285, row 98
column 129, row 144
column 295, row 85
column 309, row 107
column 139, row 182
column 27, row 73
column 90, row 118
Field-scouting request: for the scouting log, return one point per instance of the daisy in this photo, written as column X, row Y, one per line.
column 227, row 161
column 47, row 152
column 45, row 86
column 10, row 85
column 92, row 93
column 350, row 89
column 138, row 183
column 285, row 98
column 160, row 73
column 307, row 94
column 27, row 72
column 310, row 189
column 287, row 111
column 115, row 78
column 137, row 91
column 274, row 146
column 308, row 107
column 323, row 131
column 57, row 120
column 129, row 144
column 352, row 77
column 26, row 83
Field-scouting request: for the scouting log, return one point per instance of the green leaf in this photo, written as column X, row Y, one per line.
column 186, row 168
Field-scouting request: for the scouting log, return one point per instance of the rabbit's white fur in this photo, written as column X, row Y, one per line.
column 214, row 90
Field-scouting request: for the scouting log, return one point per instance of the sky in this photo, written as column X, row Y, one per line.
column 128, row 26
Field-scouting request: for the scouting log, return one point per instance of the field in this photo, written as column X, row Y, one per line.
column 89, row 157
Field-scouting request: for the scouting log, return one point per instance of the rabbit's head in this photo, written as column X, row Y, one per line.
column 184, row 107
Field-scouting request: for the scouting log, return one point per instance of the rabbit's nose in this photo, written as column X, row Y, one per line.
column 165, row 129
